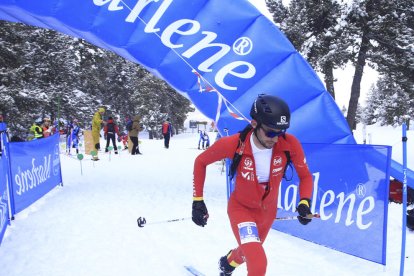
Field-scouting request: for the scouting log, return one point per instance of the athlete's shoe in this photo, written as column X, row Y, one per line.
column 225, row 268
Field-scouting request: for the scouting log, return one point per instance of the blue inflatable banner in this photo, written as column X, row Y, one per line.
column 35, row 170
column 350, row 194
column 219, row 54
column 4, row 179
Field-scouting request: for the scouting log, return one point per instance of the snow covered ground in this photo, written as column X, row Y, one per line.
column 88, row 226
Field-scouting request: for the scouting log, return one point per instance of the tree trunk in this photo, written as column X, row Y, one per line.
column 329, row 79
column 356, row 82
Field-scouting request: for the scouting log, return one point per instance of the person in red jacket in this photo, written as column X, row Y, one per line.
column 167, row 132
column 110, row 130
column 252, row 206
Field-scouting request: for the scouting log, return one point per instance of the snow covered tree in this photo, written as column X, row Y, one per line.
column 315, row 29
column 278, row 11
column 331, row 33
column 156, row 100
column 44, row 73
column 383, row 32
column 369, row 113
column 388, row 103
column 393, row 50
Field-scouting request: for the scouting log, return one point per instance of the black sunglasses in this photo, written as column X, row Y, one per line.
column 272, row 133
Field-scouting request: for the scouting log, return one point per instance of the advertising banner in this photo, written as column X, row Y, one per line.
column 351, row 195
column 4, row 170
column 35, row 170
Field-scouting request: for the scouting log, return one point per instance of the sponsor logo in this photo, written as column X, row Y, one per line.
column 26, row 180
column 277, row 161
column 248, row 162
column 276, row 170
column 189, row 27
column 357, row 212
column 283, row 121
column 248, row 175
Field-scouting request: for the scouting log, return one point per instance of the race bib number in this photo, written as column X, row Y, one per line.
column 248, row 232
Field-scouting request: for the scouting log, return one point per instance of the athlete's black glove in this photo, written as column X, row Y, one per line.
column 200, row 213
column 304, row 210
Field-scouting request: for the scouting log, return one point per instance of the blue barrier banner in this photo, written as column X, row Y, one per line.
column 351, row 185
column 4, row 170
column 35, row 169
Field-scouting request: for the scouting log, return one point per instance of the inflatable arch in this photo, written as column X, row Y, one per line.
column 219, row 54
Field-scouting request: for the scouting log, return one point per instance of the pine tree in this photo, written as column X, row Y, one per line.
column 44, row 73
column 315, row 28
column 388, row 103
column 278, row 11
column 381, row 28
column 331, row 33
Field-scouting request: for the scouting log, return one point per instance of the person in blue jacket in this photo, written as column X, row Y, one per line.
column 73, row 136
column 201, row 139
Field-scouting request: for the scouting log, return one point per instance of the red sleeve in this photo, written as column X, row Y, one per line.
column 222, row 148
column 117, row 130
column 301, row 167
column 105, row 129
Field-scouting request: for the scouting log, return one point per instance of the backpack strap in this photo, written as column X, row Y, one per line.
column 288, row 164
column 239, row 151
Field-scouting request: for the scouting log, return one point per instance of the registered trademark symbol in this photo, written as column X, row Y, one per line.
column 360, row 190
column 243, row 46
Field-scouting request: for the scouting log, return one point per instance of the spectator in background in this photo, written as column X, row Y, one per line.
column 36, row 130
column 167, row 132
column 97, row 122
column 124, row 140
column 72, row 135
column 200, row 140
column 47, row 128
column 3, row 129
column 110, row 130
column 133, row 134
column 206, row 140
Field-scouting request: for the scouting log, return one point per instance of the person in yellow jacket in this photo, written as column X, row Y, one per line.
column 96, row 128
column 36, row 130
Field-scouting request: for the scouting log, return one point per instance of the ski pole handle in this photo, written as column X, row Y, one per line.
column 310, row 216
column 142, row 221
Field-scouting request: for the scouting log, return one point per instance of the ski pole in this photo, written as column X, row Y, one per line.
column 310, row 216
column 142, row 221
